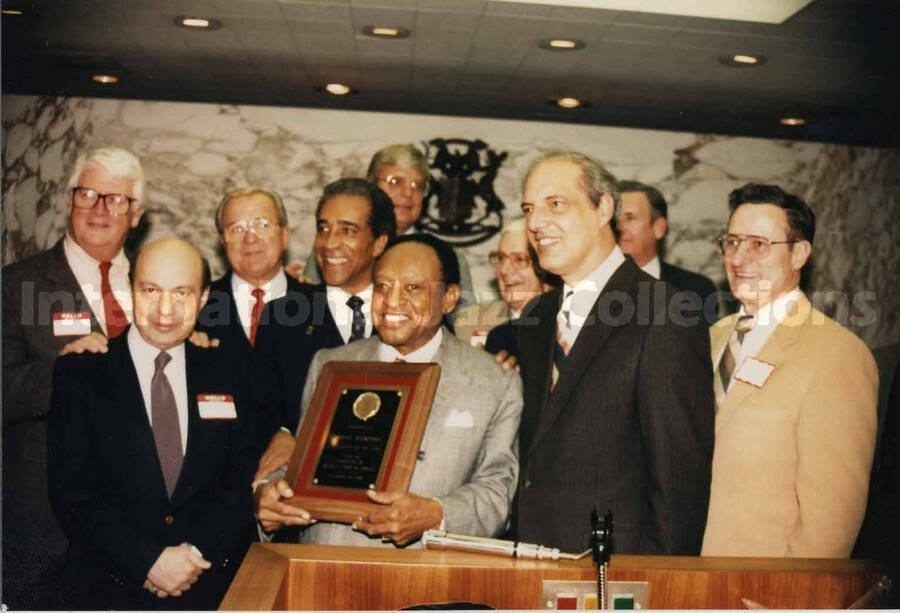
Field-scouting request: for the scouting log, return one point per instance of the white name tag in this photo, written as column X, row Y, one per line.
column 755, row 372
column 216, row 406
column 71, row 324
column 478, row 338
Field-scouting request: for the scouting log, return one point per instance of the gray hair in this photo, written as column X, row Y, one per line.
column 118, row 162
column 247, row 191
column 401, row 154
column 595, row 179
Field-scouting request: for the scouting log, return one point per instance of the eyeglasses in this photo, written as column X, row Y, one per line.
column 516, row 260
column 757, row 246
column 260, row 227
column 86, row 198
column 397, row 182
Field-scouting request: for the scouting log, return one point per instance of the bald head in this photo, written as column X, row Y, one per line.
column 170, row 287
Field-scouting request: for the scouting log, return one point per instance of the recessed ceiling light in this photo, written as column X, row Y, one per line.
column 11, row 12
column 105, row 78
column 792, row 121
column 197, row 23
column 337, row 89
column 568, row 103
column 385, row 32
column 745, row 59
column 742, row 60
column 561, row 44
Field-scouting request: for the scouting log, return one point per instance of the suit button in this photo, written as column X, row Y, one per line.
column 169, row 520
column 527, row 483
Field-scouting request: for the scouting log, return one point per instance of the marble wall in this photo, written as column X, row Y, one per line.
column 193, row 153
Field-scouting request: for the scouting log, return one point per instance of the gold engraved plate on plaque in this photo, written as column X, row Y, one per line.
column 366, row 406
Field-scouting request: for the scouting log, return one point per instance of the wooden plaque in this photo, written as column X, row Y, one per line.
column 362, row 431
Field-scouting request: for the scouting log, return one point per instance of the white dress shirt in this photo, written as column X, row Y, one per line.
column 653, row 267
column 586, row 292
column 424, row 354
column 87, row 273
column 143, row 354
column 765, row 321
column 243, row 295
column 343, row 315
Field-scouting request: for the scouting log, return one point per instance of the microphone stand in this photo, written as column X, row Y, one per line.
column 601, row 537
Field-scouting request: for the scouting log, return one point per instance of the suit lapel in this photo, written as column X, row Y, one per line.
column 195, row 434
column 592, row 337
column 59, row 276
column 773, row 352
column 136, row 428
column 328, row 327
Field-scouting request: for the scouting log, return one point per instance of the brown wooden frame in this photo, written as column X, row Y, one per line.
column 416, row 382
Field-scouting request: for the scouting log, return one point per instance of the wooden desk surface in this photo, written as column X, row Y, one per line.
column 277, row 576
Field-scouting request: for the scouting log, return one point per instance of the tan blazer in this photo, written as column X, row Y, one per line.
column 479, row 317
column 791, row 463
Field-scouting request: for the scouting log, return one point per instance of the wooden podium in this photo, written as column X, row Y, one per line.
column 284, row 577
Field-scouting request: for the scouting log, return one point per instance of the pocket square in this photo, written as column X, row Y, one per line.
column 460, row 419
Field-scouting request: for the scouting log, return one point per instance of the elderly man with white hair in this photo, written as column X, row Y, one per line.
column 68, row 298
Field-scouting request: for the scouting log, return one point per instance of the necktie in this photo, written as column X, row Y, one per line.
column 116, row 321
column 257, row 294
column 358, row 330
column 729, row 357
column 166, row 431
column 563, row 336
column 564, row 330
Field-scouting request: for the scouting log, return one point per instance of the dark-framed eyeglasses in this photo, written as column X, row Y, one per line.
column 87, row 198
column 757, row 246
column 261, row 227
column 398, row 182
column 516, row 260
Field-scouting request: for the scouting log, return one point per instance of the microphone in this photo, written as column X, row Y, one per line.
column 442, row 540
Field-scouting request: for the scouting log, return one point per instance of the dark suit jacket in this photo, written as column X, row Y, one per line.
column 220, row 319
column 685, row 280
column 296, row 327
column 107, row 488
column 628, row 426
column 33, row 290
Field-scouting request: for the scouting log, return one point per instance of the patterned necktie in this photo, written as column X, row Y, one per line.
column 563, row 335
column 358, row 331
column 733, row 349
column 166, row 430
column 116, row 322
column 257, row 294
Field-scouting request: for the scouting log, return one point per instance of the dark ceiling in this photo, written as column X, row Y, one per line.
column 835, row 62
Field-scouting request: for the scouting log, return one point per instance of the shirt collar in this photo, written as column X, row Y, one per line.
column 144, row 353
column 588, row 289
column 425, row 353
column 276, row 287
column 774, row 312
column 338, row 296
column 653, row 267
column 77, row 252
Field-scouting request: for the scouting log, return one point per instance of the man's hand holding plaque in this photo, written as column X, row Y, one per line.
column 402, row 518
column 271, row 510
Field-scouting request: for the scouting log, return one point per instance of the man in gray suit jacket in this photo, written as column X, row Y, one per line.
column 467, row 468
column 58, row 301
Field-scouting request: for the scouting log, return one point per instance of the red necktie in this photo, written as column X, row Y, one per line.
column 116, row 322
column 254, row 313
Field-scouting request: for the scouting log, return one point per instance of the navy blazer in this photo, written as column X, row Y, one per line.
column 107, row 487
column 296, row 327
column 220, row 319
